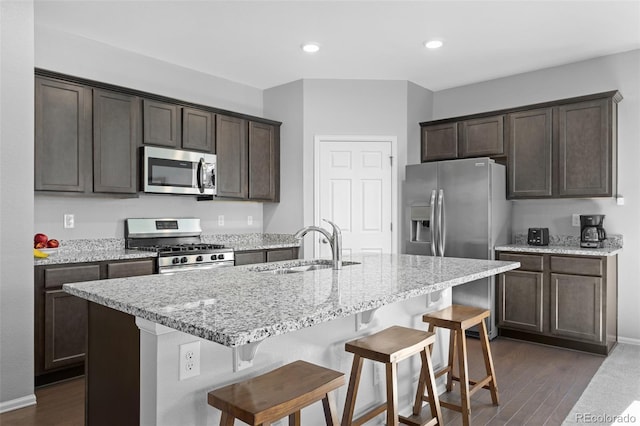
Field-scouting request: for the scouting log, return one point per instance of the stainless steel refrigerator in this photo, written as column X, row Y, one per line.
column 458, row 208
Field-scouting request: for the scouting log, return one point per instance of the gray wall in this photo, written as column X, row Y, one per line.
column 99, row 217
column 16, row 204
column 622, row 72
column 285, row 103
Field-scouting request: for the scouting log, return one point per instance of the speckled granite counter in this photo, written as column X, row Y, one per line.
column 576, row 250
column 235, row 306
column 65, row 255
column 256, row 241
column 565, row 244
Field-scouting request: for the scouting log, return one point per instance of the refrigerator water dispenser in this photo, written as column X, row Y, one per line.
column 420, row 223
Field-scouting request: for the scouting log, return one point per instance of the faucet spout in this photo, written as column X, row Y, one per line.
column 335, row 240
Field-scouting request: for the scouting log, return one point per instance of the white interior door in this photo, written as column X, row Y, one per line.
column 354, row 189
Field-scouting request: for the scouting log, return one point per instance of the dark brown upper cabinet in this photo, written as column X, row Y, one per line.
column 439, row 142
column 529, row 162
column 482, row 137
column 232, row 157
column 198, row 130
column 62, row 136
column 161, row 123
column 586, row 157
column 264, row 162
column 115, row 139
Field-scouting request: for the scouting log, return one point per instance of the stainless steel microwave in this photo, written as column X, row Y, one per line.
column 173, row 171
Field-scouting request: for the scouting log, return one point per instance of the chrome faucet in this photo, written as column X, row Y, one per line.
column 335, row 240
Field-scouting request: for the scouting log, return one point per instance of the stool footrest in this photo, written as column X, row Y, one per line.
column 369, row 415
column 422, row 419
column 482, row 384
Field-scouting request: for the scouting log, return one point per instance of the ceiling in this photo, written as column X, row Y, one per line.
column 258, row 42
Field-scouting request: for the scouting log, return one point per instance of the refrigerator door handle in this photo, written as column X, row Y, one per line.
column 432, row 223
column 442, row 224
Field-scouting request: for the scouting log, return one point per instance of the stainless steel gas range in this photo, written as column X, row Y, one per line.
column 177, row 242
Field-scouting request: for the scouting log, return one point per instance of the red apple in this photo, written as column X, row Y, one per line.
column 40, row 238
column 53, row 243
column 40, row 245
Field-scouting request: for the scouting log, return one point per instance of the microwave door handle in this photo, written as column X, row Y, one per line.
column 432, row 223
column 200, row 175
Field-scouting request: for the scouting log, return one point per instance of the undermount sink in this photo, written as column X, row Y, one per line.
column 304, row 266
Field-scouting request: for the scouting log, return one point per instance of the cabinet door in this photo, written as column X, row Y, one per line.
column 576, row 307
column 65, row 329
column 249, row 257
column 482, row 137
column 161, row 123
column 584, row 149
column 282, row 254
column 529, row 160
column 439, row 142
column 231, row 151
column 62, row 132
column 264, row 162
column 520, row 296
column 198, row 130
column 131, row 269
column 115, row 139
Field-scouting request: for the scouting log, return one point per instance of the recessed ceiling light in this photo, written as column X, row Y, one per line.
column 311, row 47
column 433, row 44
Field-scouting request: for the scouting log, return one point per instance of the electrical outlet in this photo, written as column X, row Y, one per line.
column 189, row 360
column 69, row 220
column 249, row 220
column 575, row 219
column 220, row 220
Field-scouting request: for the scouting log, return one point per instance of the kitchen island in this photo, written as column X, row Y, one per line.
column 305, row 315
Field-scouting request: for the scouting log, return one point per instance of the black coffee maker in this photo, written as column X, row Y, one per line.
column 592, row 234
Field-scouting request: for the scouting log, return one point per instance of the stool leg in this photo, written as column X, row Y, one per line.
column 294, row 419
column 430, row 382
column 452, row 351
column 392, row 394
column 422, row 383
column 352, row 391
column 226, row 419
column 464, row 377
column 488, row 362
column 330, row 411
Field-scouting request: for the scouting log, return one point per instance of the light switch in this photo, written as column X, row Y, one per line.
column 69, row 220
column 221, row 220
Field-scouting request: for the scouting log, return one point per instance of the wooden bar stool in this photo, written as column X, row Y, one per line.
column 390, row 346
column 457, row 319
column 279, row 393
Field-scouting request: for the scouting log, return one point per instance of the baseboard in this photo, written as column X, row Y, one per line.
column 14, row 404
column 629, row 340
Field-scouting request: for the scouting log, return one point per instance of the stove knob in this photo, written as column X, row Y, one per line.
column 175, row 260
column 214, row 257
column 184, row 259
column 221, row 256
column 199, row 259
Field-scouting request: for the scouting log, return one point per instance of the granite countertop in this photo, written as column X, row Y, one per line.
column 565, row 244
column 95, row 250
column 240, row 305
column 577, row 250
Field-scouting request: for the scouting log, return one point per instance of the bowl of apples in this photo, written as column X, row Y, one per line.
column 44, row 244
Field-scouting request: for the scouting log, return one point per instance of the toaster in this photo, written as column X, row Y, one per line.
column 538, row 236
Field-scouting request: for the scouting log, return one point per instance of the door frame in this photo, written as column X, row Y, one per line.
column 318, row 140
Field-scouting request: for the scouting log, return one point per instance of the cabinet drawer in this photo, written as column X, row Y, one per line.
column 55, row 277
column 577, row 265
column 528, row 262
column 281, row 254
column 130, row 269
column 249, row 257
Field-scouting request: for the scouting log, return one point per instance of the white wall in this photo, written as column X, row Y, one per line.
column 16, row 204
column 285, row 103
column 100, row 217
column 622, row 72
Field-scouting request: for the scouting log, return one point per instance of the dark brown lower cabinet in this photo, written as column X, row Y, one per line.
column 269, row 255
column 561, row 300
column 60, row 323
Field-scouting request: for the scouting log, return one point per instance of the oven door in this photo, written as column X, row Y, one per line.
column 173, row 171
column 179, row 268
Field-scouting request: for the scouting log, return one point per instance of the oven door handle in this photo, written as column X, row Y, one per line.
column 200, row 175
column 174, row 269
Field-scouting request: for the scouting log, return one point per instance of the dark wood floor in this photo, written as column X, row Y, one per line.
column 538, row 386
